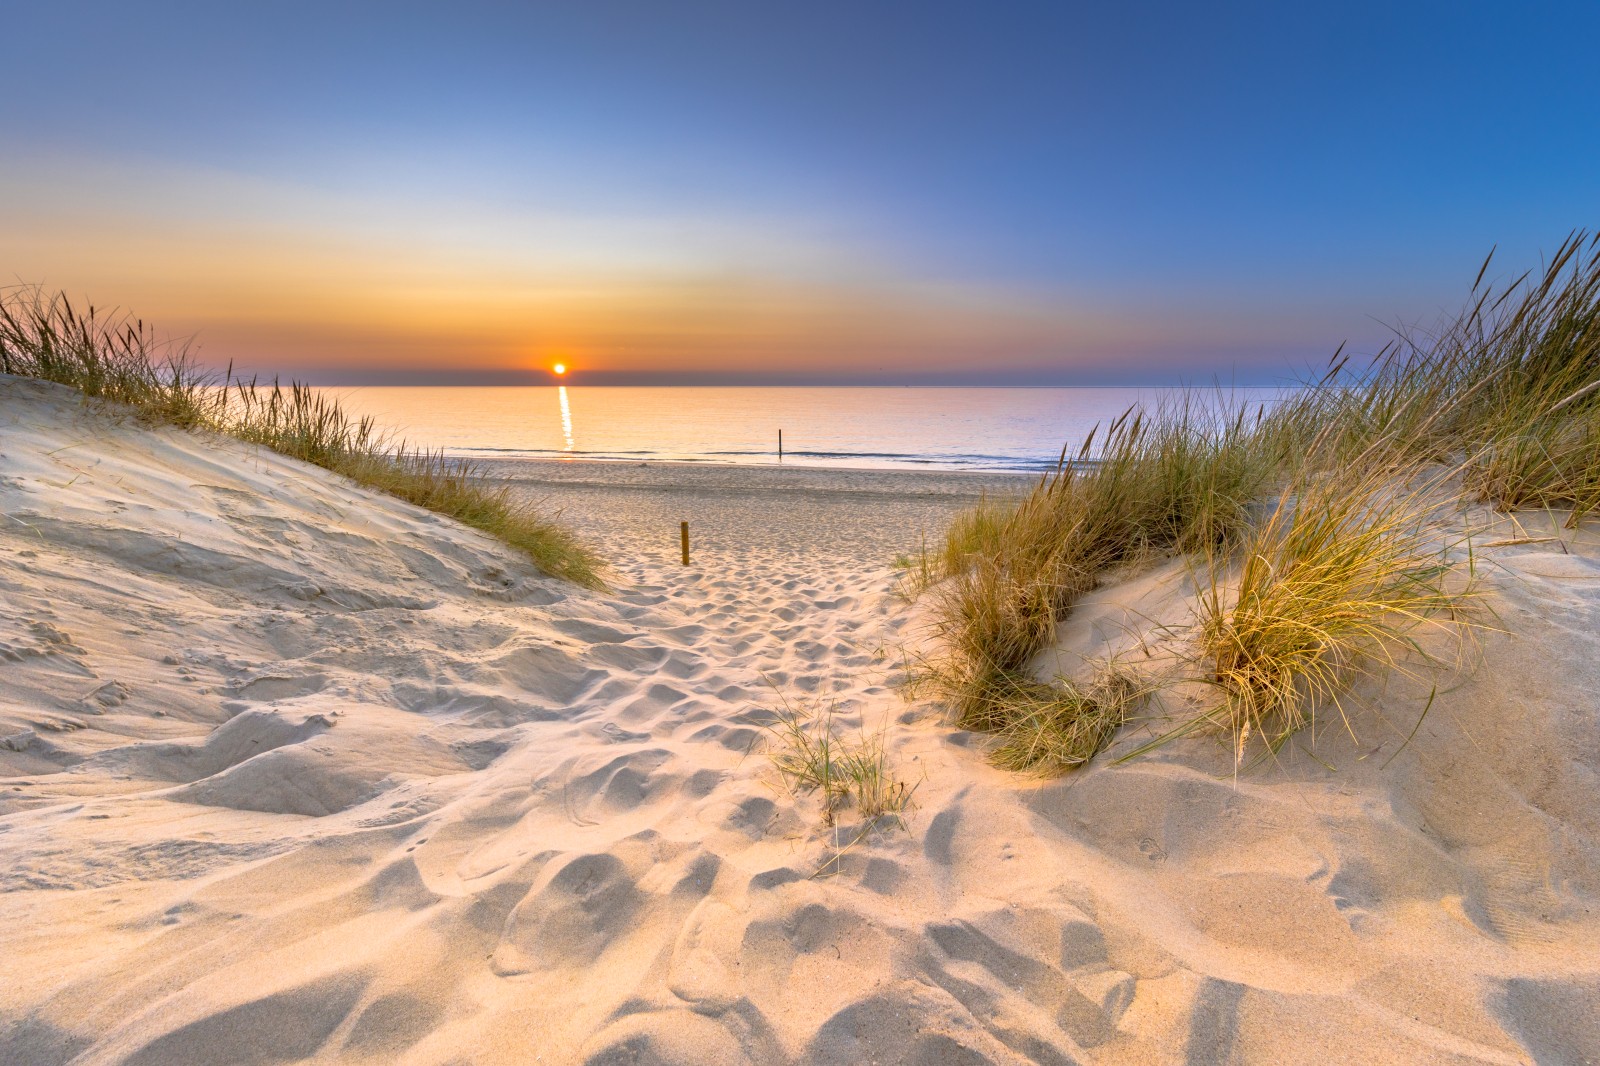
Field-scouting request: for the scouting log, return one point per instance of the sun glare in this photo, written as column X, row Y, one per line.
column 559, row 369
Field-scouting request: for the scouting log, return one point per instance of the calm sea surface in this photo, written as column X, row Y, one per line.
column 923, row 428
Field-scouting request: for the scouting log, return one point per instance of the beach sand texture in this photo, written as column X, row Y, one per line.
column 291, row 771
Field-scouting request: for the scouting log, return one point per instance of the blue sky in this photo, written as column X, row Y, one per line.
column 1006, row 192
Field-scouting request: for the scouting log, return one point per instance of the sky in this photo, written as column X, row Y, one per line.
column 985, row 192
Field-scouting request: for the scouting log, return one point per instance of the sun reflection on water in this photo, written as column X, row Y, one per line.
column 566, row 415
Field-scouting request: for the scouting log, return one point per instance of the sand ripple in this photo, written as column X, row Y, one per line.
column 314, row 776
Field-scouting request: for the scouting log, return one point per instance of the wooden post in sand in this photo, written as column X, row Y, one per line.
column 683, row 536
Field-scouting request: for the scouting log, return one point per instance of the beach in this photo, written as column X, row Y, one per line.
column 854, row 516
column 292, row 771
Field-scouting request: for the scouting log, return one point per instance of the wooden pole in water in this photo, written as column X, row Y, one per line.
column 683, row 537
column 780, row 445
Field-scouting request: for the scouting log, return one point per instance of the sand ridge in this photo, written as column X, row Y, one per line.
column 290, row 772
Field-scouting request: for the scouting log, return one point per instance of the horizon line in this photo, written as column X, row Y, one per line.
column 350, row 378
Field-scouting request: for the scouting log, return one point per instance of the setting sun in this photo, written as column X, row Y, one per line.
column 559, row 369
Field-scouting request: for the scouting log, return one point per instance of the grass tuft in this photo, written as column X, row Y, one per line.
column 810, row 756
column 1331, row 585
column 1048, row 729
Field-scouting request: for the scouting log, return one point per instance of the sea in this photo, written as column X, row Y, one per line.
column 948, row 428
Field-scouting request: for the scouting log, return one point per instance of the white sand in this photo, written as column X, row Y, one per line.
column 290, row 771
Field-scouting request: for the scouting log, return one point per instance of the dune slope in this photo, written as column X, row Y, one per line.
column 290, row 771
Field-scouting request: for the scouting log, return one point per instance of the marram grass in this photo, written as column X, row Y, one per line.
column 114, row 357
column 1341, row 565
column 1179, row 478
column 117, row 359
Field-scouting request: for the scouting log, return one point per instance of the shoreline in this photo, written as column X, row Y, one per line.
column 791, row 461
column 844, row 477
column 864, row 516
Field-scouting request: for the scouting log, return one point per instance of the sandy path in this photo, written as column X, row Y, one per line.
column 291, row 772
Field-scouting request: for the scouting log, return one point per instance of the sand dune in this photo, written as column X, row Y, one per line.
column 290, row 771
